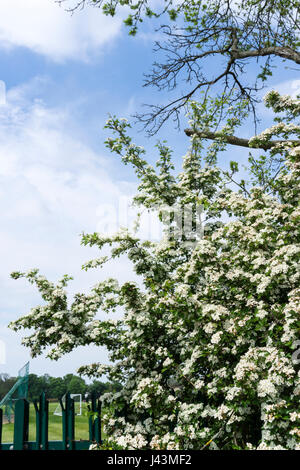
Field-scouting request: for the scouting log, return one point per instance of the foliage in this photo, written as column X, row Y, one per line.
column 6, row 383
column 56, row 387
column 204, row 350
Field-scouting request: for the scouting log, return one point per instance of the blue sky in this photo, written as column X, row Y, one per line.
column 63, row 75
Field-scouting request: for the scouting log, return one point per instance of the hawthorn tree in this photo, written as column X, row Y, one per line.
column 209, row 45
column 206, row 348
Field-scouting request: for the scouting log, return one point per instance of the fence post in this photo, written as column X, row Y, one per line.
column 37, row 425
column 98, row 422
column 42, row 417
column 91, row 422
column 95, row 422
column 68, row 422
column 44, row 407
column 21, row 424
column 70, row 408
column 64, row 424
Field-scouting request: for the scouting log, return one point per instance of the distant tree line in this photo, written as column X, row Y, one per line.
column 56, row 387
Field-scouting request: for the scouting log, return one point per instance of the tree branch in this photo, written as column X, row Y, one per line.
column 284, row 52
column 233, row 140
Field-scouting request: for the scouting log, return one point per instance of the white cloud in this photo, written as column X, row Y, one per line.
column 288, row 87
column 49, row 178
column 51, row 187
column 46, row 28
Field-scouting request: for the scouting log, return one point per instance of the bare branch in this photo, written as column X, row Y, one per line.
column 233, row 140
column 284, row 52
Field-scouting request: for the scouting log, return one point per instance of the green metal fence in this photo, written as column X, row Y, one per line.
column 68, row 442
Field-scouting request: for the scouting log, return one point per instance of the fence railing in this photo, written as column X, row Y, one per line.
column 68, row 442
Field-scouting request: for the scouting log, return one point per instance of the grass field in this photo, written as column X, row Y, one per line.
column 55, row 426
